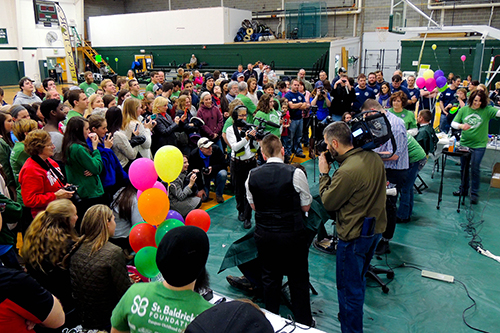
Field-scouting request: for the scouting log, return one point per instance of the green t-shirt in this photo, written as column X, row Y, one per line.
column 477, row 135
column 271, row 116
column 138, row 97
column 89, row 89
column 229, row 122
column 17, row 159
column 79, row 159
column 71, row 114
column 176, row 94
column 415, row 151
column 150, row 86
column 407, row 116
column 151, row 307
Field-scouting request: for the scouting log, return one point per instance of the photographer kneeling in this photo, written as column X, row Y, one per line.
column 244, row 146
column 357, row 194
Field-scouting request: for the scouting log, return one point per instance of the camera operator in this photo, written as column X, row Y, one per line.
column 396, row 169
column 321, row 98
column 279, row 194
column 358, row 198
column 210, row 160
column 343, row 96
column 243, row 160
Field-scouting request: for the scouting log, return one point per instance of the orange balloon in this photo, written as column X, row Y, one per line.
column 153, row 206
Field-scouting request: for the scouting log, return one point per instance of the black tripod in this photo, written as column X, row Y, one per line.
column 313, row 123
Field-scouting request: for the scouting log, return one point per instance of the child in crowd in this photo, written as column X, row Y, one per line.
column 285, row 139
column 426, row 136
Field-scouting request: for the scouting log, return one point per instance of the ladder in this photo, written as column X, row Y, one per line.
column 89, row 51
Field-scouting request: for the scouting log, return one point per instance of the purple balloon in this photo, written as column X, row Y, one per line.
column 172, row 214
column 441, row 81
column 437, row 74
column 430, row 84
column 421, row 82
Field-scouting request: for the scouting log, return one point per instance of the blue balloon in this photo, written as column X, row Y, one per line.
column 172, row 214
column 438, row 73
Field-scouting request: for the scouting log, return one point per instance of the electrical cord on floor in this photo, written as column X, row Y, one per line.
column 404, row 265
column 293, row 324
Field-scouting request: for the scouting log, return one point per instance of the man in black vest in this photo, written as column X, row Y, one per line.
column 279, row 194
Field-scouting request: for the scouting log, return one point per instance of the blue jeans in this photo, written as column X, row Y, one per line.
column 295, row 134
column 219, row 180
column 406, row 200
column 443, row 124
column 218, row 142
column 476, row 157
column 287, row 145
column 353, row 260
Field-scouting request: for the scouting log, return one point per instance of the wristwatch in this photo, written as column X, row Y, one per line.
column 321, row 174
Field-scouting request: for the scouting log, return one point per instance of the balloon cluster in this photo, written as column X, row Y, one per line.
column 431, row 80
column 154, row 207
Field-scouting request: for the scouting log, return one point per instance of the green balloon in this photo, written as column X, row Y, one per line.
column 107, row 58
column 116, row 59
column 145, row 262
column 98, row 58
column 165, row 227
column 443, row 88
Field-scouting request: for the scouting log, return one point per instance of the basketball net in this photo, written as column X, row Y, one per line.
column 382, row 33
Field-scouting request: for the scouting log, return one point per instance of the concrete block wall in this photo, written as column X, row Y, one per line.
column 375, row 13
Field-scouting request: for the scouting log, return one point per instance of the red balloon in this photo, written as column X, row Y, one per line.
column 142, row 235
column 199, row 218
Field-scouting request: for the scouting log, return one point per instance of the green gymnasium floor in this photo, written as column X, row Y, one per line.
column 435, row 240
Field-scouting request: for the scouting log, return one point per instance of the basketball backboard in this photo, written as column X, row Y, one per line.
column 397, row 18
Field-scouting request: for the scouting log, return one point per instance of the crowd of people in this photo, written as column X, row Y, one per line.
column 64, row 184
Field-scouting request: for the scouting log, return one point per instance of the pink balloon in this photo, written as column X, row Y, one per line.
column 430, row 84
column 139, row 192
column 142, row 174
column 421, row 82
column 160, row 186
column 463, row 57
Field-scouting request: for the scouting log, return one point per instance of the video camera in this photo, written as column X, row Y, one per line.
column 260, row 130
column 370, row 130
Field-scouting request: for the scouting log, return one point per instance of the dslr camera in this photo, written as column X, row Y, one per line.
column 73, row 188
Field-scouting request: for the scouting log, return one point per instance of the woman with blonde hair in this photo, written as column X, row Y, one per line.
column 184, row 102
column 46, row 250
column 164, row 131
column 132, row 109
column 95, row 101
column 98, row 269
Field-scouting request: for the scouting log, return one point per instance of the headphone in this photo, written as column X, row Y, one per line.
column 234, row 115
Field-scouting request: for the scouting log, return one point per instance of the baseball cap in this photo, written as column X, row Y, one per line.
column 182, row 255
column 231, row 317
column 342, row 70
column 24, row 79
column 239, row 75
column 319, row 84
column 204, row 143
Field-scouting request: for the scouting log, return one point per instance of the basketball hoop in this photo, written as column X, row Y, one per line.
column 382, row 33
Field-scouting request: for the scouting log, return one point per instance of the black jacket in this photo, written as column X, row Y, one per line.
column 342, row 100
column 163, row 133
column 217, row 162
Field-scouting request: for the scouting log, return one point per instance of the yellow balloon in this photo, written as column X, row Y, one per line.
column 427, row 75
column 434, row 46
column 168, row 163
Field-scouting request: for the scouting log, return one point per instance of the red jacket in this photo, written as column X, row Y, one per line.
column 38, row 185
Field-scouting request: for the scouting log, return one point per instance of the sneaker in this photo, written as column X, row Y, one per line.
column 240, row 282
column 247, row 224
column 458, row 194
column 474, row 200
column 382, row 248
column 300, row 155
column 241, row 217
column 400, row 220
column 219, row 199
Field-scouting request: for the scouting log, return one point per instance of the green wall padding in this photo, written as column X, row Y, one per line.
column 284, row 55
column 10, row 72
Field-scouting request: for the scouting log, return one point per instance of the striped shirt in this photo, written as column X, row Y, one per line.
column 399, row 131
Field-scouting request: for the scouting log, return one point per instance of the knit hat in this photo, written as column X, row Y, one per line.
column 14, row 111
column 231, row 317
column 208, row 76
column 182, row 255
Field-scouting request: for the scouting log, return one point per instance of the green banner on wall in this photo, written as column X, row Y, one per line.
column 3, row 36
